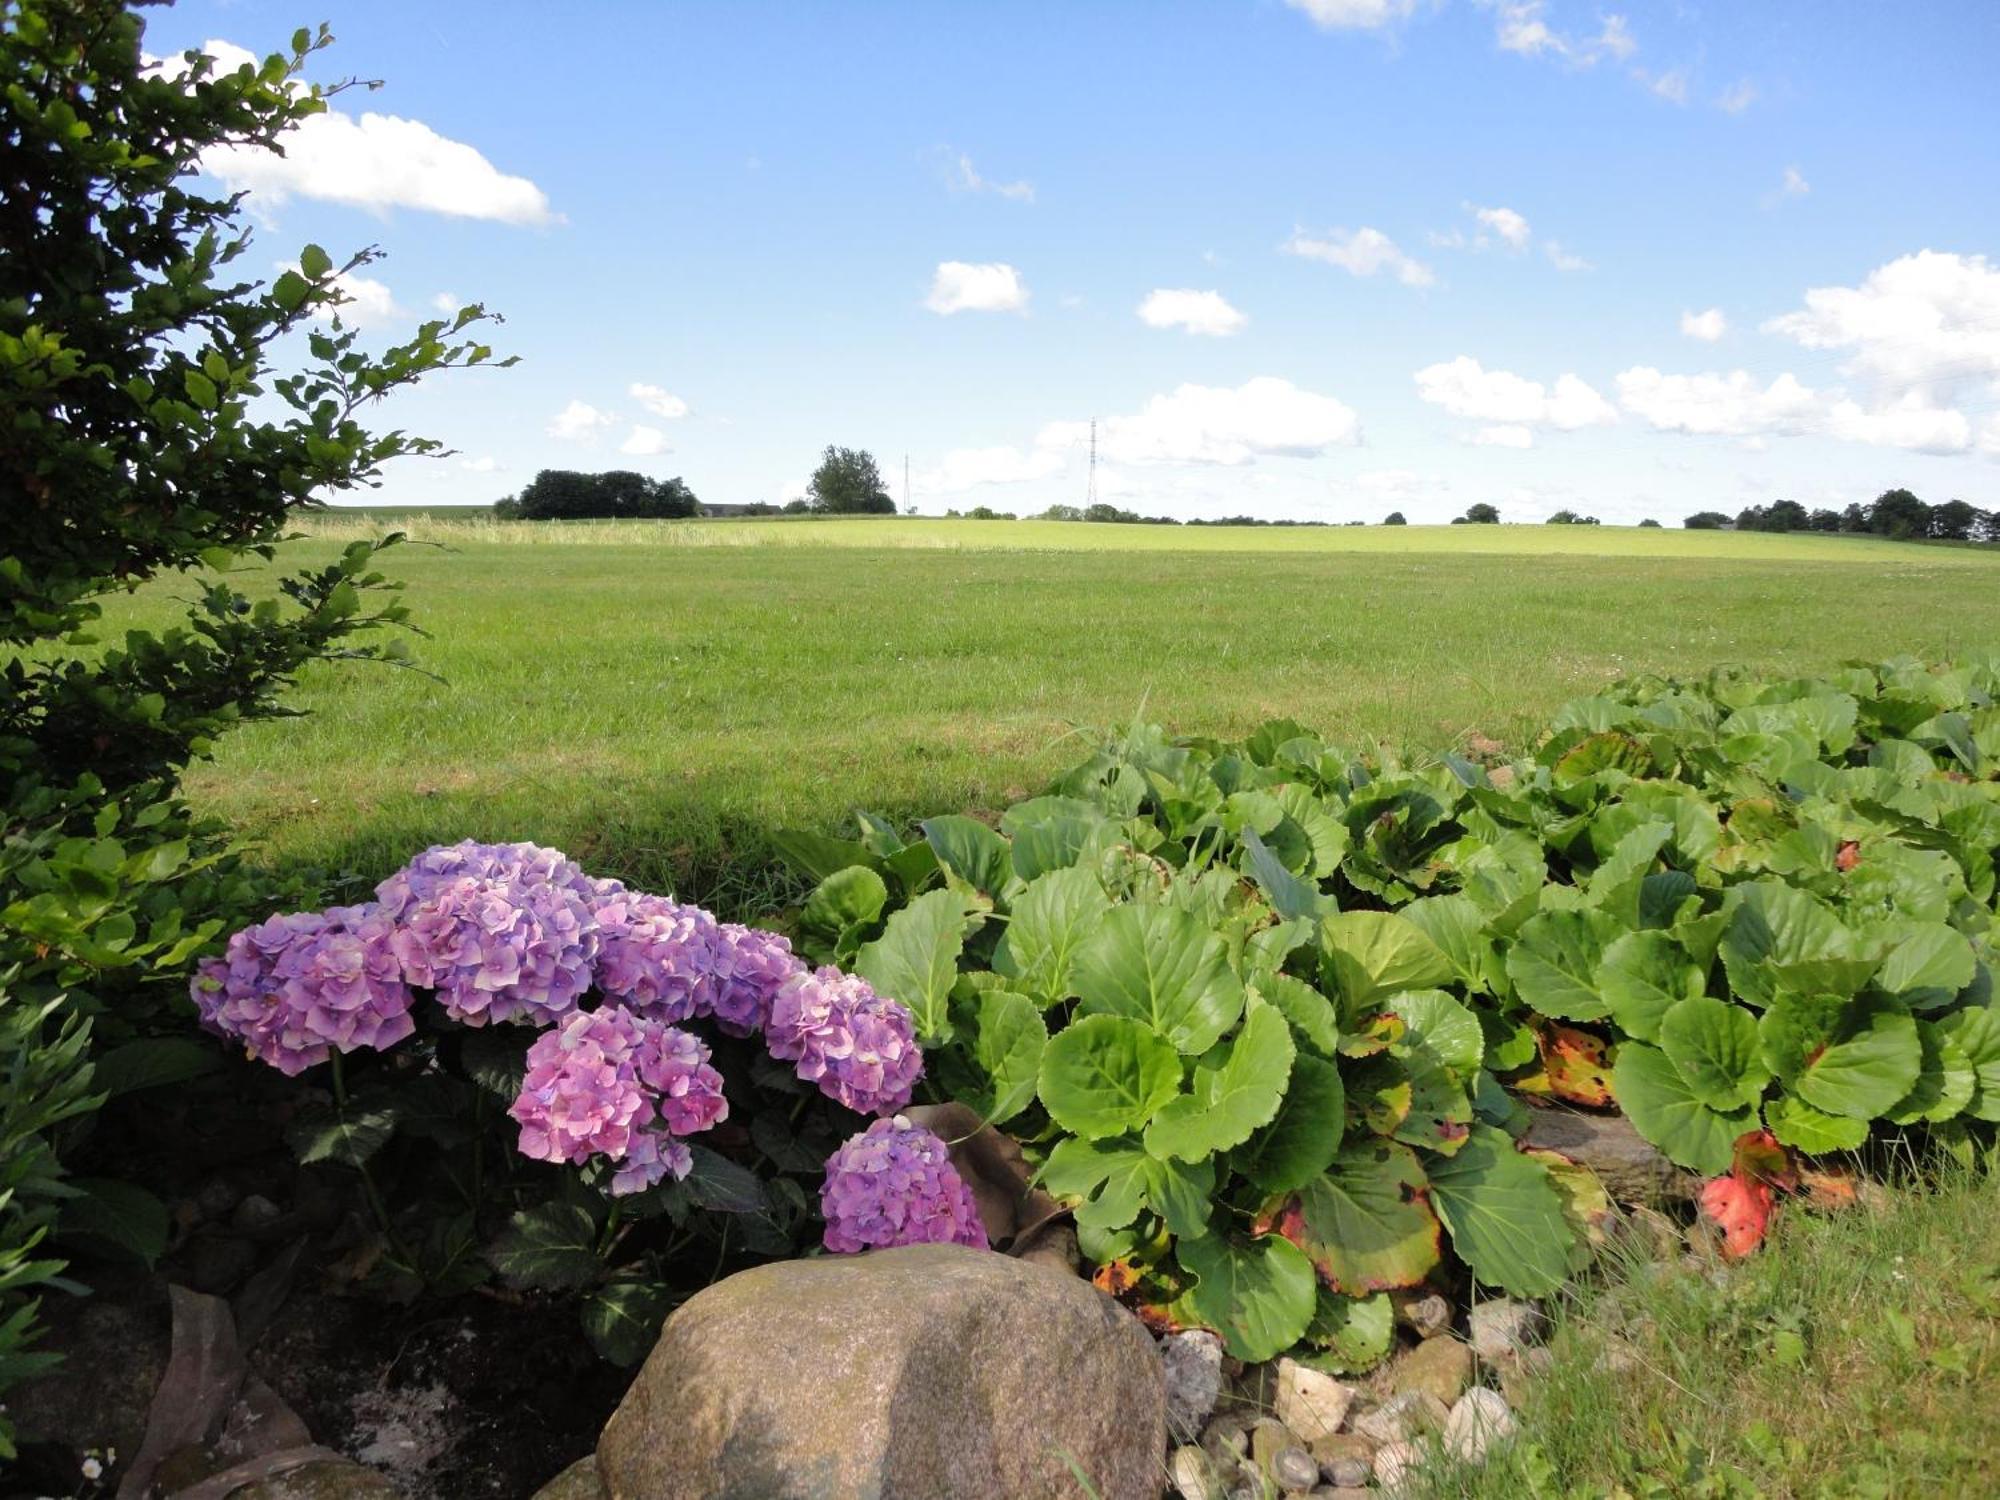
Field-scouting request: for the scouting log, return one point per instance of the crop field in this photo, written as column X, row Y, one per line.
column 658, row 696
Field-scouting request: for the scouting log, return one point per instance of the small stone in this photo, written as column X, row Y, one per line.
column 1440, row 1367
column 1349, row 1473
column 254, row 1213
column 1503, row 1327
column 1394, row 1462
column 1344, row 1448
column 1225, row 1435
column 1403, row 1417
column 1426, row 1316
column 1268, row 1439
column 1194, row 1474
column 1479, row 1420
column 1193, row 1365
column 1294, row 1469
column 1313, row 1404
column 217, row 1197
column 217, row 1262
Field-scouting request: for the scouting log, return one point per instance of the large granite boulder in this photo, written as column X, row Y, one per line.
column 929, row 1372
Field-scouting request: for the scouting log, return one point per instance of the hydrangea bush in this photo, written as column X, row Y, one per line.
column 505, row 969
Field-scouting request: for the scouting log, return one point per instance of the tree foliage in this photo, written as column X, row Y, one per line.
column 620, row 494
column 847, row 483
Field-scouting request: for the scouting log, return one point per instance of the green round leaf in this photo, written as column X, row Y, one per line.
column 1945, row 1082
column 1663, row 1109
column 1645, row 974
column 1798, row 1125
column 1110, row 1182
column 997, row 1072
column 1230, row 1099
column 915, row 960
column 1554, row 964
column 1107, row 1075
column 1259, row 1296
column 1505, row 1216
column 1714, row 1044
column 1161, row 966
column 1053, row 916
column 1440, row 1028
column 1977, row 1033
column 1351, row 1333
column 1368, row 954
column 1365, row 1222
column 1305, row 1137
column 1857, row 1057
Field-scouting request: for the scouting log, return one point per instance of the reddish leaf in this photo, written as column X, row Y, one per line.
column 1742, row 1209
column 1760, row 1158
column 1848, row 857
column 1573, row 1062
column 1828, row 1188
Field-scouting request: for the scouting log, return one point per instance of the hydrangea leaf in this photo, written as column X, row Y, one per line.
column 1554, row 964
column 1304, row 1137
column 1505, row 1216
column 915, row 960
column 1107, row 1075
column 1351, row 1334
column 1052, row 918
column 552, row 1246
column 622, row 1318
column 1714, row 1045
column 1945, row 1080
column 1643, row 976
column 1365, row 1222
column 1664, row 1110
column 1163, row 967
column 1260, row 1296
column 1441, row 1028
column 1976, row 1030
column 1857, row 1057
column 348, row 1135
column 1798, row 1125
column 1368, row 954
column 1232, row 1098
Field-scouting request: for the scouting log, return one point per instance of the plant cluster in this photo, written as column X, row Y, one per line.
column 506, row 970
column 1261, row 1010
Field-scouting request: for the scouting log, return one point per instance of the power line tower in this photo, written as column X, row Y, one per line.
column 1090, row 496
column 906, row 484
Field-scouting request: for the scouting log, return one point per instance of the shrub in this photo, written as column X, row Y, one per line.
column 1259, row 1009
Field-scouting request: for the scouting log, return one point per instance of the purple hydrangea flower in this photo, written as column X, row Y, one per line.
column 654, row 955
column 514, row 864
column 496, row 948
column 894, row 1184
column 858, row 1046
column 618, row 1085
column 295, row 987
column 747, row 968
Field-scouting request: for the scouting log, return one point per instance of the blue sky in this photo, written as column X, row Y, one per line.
column 1311, row 258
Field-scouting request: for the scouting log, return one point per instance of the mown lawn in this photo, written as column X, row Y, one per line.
column 657, row 707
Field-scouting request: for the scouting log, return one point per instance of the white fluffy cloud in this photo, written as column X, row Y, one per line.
column 1562, row 260
column 1510, row 226
column 580, row 422
column 1928, row 322
column 366, row 302
column 645, row 442
column 1521, row 27
column 1508, row 435
column 1355, row 15
column 1200, row 424
column 1738, row 97
column 1197, row 312
column 1715, row 405
column 657, row 400
column 372, row 161
column 1793, row 185
column 960, row 286
column 970, row 468
column 484, row 464
column 1707, row 326
column 962, row 177
column 1361, row 252
column 1512, row 403
column 447, row 303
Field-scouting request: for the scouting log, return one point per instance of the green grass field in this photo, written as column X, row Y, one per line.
column 656, row 697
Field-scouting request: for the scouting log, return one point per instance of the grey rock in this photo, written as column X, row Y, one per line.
column 1403, row 1417
column 254, row 1213
column 1426, row 1316
column 1440, row 1367
column 1310, row 1402
column 217, row 1197
column 1631, row 1168
column 1479, row 1420
column 1225, row 1435
column 1503, row 1327
column 926, row 1370
column 1294, row 1469
column 1192, row 1365
column 1393, row 1463
column 1348, row 1473
column 115, row 1349
column 1268, row 1438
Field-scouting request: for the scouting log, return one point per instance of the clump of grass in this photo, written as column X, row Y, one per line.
column 1853, row 1358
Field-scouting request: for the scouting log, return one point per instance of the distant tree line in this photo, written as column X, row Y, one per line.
column 566, row 495
column 1894, row 513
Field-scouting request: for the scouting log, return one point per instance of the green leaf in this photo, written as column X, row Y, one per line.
column 1258, row 1296
column 1288, row 894
column 820, row 856
column 1111, row 1182
column 1644, row 975
column 915, row 960
column 1440, row 1028
column 552, row 1247
column 1977, row 1034
column 1945, row 1082
column 1928, row 966
column 315, row 262
column 1610, row 751
column 1797, row 1124
column 1107, row 1075
column 496, row 1058
column 1365, row 1222
column 1310, row 1013
column 113, row 1217
column 1304, row 1138
column 1781, row 939
column 1005, row 1057
column 1555, row 961
column 1052, row 918
column 1230, row 1099
column 201, row 390
column 1667, row 1112
column 715, row 1182
column 1457, row 925
column 847, row 901
column 970, row 850
column 622, row 1318
column 1352, row 1333
column 1714, row 1045
column 151, row 1063
column 1505, row 1215
column 348, row 1136
column 1856, row 1058
column 1369, row 954
column 290, row 290
column 1160, row 965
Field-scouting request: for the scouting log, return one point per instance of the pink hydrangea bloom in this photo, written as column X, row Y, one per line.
column 747, row 968
column 894, row 1184
column 295, row 987
column 498, row 949
column 513, row 864
column 654, row 955
column 858, row 1046
column 618, row 1085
